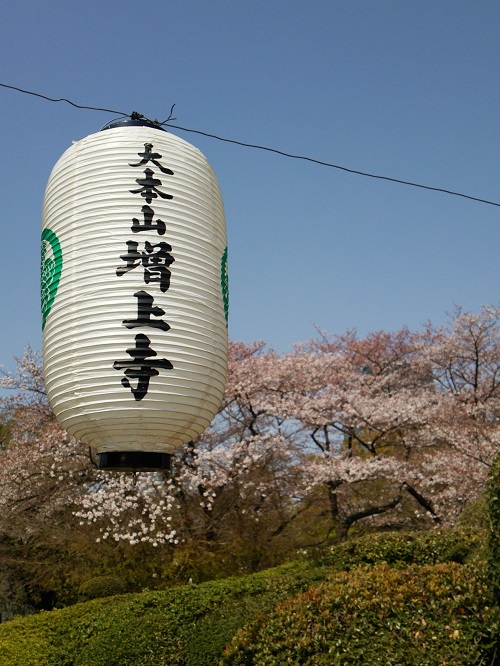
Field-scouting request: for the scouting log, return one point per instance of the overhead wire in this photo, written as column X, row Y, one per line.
column 336, row 166
column 63, row 99
column 168, row 123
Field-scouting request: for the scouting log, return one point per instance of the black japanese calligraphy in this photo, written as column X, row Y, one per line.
column 149, row 156
column 139, row 367
column 155, row 262
column 148, row 187
column 146, row 310
column 154, row 259
column 148, row 224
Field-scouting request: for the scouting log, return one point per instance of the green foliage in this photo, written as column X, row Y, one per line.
column 26, row 641
column 403, row 548
column 475, row 514
column 182, row 625
column 493, row 502
column 101, row 586
column 193, row 624
column 69, row 572
column 379, row 616
column 4, row 435
column 244, row 599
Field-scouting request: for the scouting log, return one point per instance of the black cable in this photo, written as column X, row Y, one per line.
column 256, row 146
column 336, row 166
column 63, row 99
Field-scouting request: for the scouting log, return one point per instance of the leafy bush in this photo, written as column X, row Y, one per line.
column 379, row 616
column 184, row 625
column 35, row 640
column 191, row 625
column 101, row 586
column 493, row 500
column 25, row 641
column 403, row 548
column 475, row 513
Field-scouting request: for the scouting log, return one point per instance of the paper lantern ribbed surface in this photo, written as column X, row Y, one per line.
column 134, row 291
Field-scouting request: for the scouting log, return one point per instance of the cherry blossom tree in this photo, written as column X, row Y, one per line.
column 220, row 489
column 41, row 466
column 357, row 406
column 465, row 427
column 342, row 433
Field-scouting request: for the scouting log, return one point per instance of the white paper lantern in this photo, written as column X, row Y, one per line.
column 134, row 294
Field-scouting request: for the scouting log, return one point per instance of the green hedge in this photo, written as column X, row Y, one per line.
column 191, row 625
column 493, row 500
column 101, row 586
column 184, row 625
column 403, row 548
column 380, row 616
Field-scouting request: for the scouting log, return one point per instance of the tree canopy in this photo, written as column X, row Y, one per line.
column 339, row 436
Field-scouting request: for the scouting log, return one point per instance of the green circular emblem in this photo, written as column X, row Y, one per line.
column 224, row 284
column 52, row 262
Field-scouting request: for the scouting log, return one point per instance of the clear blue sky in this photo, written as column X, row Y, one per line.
column 404, row 89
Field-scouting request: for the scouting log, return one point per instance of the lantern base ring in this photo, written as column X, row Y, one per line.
column 135, row 461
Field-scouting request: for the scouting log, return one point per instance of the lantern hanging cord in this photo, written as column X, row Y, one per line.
column 63, row 99
column 336, row 166
column 137, row 116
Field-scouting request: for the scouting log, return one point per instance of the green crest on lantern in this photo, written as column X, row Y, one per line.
column 224, row 284
column 52, row 262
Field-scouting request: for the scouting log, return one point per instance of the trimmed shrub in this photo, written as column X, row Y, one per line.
column 379, row 616
column 475, row 513
column 36, row 640
column 403, row 548
column 191, row 625
column 101, row 586
column 24, row 642
column 493, row 501
column 185, row 625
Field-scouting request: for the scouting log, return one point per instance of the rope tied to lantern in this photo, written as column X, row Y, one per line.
column 140, row 118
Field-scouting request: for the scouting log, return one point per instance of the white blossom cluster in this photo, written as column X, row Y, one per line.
column 136, row 509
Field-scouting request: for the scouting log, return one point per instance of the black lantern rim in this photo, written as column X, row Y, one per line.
column 135, row 461
column 133, row 122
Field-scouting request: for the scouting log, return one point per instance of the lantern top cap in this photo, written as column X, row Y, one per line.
column 134, row 122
